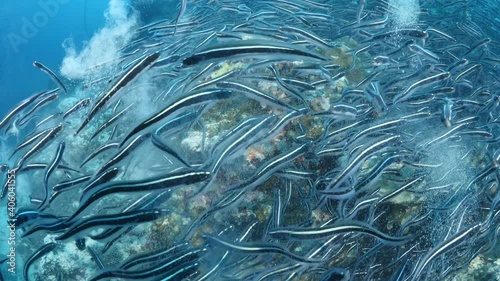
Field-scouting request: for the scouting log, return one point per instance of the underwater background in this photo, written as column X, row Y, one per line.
column 250, row 140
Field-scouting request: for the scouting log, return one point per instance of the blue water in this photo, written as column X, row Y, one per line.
column 25, row 36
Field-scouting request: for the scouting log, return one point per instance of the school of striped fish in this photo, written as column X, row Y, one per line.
column 268, row 140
